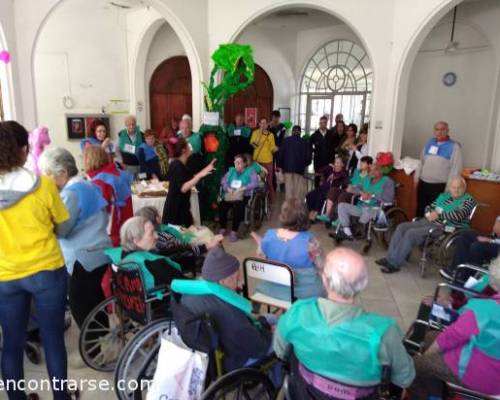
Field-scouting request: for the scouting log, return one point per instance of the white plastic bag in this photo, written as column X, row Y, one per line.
column 180, row 372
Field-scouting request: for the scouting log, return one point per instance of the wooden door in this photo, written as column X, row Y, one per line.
column 170, row 92
column 259, row 95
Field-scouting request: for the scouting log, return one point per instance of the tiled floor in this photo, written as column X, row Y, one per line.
column 396, row 295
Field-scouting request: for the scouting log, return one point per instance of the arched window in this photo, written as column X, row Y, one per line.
column 337, row 79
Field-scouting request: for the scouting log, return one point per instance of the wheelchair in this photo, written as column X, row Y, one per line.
column 382, row 224
column 439, row 245
column 112, row 323
column 139, row 358
column 437, row 317
column 256, row 209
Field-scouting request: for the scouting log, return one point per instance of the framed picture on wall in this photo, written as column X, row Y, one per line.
column 251, row 117
column 285, row 113
column 79, row 125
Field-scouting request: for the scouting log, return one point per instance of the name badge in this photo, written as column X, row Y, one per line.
column 237, row 132
column 190, row 147
column 433, row 150
column 129, row 148
column 236, row 184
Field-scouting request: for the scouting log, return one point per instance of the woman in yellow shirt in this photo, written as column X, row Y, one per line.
column 31, row 263
column 262, row 140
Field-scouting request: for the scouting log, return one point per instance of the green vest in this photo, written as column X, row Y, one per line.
column 124, row 139
column 487, row 313
column 194, row 140
column 375, row 188
column 245, row 131
column 346, row 351
column 202, row 287
column 139, row 258
column 357, row 179
column 244, row 177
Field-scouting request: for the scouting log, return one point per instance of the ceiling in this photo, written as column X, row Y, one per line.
column 297, row 19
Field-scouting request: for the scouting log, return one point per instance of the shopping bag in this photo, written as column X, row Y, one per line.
column 180, row 372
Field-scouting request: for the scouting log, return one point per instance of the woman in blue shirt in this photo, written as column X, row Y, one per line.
column 83, row 238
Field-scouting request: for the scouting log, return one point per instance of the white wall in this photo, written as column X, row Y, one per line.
column 87, row 61
column 466, row 106
column 274, row 51
column 8, row 71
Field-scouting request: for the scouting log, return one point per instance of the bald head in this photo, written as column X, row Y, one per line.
column 441, row 130
column 344, row 274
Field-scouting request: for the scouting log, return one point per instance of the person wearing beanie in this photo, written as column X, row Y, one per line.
column 240, row 337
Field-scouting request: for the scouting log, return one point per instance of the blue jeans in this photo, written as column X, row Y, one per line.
column 48, row 291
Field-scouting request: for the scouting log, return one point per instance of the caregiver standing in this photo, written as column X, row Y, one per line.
column 83, row 238
column 177, row 209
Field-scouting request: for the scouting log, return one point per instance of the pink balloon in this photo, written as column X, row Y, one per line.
column 5, row 56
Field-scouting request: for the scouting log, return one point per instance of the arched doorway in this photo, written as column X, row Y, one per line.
column 258, row 95
column 170, row 92
column 337, row 79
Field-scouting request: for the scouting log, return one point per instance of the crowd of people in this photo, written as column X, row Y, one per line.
column 62, row 230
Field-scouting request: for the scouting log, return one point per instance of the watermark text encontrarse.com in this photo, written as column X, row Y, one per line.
column 41, row 385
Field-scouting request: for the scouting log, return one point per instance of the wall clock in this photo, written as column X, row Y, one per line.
column 449, row 79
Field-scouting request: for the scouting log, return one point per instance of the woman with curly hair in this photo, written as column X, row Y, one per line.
column 31, row 262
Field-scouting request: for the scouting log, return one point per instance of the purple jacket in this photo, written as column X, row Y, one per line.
column 254, row 182
column 483, row 372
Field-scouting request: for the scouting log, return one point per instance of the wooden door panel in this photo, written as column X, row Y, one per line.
column 259, row 94
column 170, row 92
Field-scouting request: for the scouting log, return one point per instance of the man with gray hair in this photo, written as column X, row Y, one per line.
column 441, row 159
column 334, row 339
column 129, row 140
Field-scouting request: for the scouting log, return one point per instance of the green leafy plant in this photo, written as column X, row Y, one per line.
column 235, row 62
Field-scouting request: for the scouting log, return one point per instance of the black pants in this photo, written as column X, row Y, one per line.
column 470, row 250
column 85, row 291
column 238, row 212
column 426, row 194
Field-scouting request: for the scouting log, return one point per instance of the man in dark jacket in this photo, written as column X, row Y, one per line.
column 323, row 143
column 293, row 158
column 242, row 338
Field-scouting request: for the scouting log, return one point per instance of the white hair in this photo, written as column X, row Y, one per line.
column 186, row 117
column 130, row 117
column 131, row 231
column 494, row 270
column 458, row 178
column 336, row 281
column 56, row 161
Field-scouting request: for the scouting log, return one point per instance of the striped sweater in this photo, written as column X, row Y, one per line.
column 458, row 217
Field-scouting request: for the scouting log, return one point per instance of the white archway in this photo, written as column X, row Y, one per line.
column 7, row 102
column 403, row 69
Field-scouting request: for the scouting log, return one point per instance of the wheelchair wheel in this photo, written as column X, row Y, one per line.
column 138, row 361
column 446, row 249
column 257, row 212
column 104, row 334
column 244, row 383
column 394, row 217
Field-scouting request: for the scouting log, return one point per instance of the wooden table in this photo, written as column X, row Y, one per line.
column 487, row 194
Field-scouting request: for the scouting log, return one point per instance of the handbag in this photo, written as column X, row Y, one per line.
column 180, row 372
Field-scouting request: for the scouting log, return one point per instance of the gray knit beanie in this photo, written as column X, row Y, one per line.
column 219, row 265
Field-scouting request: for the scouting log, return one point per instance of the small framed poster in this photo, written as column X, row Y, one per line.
column 79, row 125
column 251, row 117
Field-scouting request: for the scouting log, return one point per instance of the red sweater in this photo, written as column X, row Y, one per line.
column 118, row 215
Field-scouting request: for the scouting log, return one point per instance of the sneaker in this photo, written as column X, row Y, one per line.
column 341, row 236
column 447, row 274
column 323, row 218
column 233, row 237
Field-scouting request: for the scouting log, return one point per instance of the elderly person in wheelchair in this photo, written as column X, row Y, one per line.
column 451, row 210
column 242, row 338
column 474, row 249
column 338, row 347
column 373, row 193
column 138, row 241
column 237, row 186
column 467, row 352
